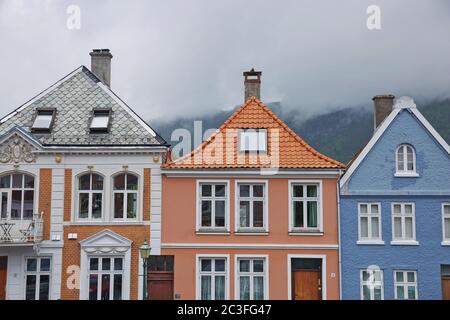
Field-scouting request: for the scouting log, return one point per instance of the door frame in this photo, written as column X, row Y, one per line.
column 443, row 277
column 323, row 257
column 6, row 283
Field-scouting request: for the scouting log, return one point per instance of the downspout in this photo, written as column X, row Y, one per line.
column 339, row 233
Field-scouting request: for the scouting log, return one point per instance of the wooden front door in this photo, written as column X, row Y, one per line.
column 160, row 286
column 446, row 288
column 3, row 275
column 307, row 285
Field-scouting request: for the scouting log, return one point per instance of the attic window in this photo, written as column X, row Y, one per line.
column 44, row 120
column 253, row 140
column 100, row 120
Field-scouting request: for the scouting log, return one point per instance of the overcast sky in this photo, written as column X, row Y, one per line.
column 187, row 57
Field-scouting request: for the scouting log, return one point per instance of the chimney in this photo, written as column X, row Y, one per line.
column 101, row 65
column 252, row 84
column 382, row 107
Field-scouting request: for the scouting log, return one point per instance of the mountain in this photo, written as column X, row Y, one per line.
column 339, row 134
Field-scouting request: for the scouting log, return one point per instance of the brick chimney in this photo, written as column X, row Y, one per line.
column 382, row 107
column 101, row 65
column 252, row 84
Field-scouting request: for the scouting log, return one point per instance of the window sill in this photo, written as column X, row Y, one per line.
column 404, row 243
column 304, row 232
column 250, row 232
column 370, row 242
column 406, row 175
column 217, row 232
column 105, row 223
column 445, row 243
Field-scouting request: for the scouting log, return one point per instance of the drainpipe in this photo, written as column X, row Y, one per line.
column 339, row 233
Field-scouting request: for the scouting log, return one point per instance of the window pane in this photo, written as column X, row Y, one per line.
column 244, row 288
column 119, row 182
column 17, row 180
column 374, row 208
column 93, row 264
column 118, row 205
column 45, row 264
column 84, row 205
column 363, row 208
column 377, row 293
column 244, row 190
column 375, row 228
column 258, row 191
column 206, row 190
column 311, row 191
column 258, row 214
column 400, row 159
column 408, row 208
column 42, row 121
column 411, row 292
column 105, row 287
column 4, row 207
column 258, row 265
column 206, row 213
column 397, row 227
column 117, row 289
column 106, row 264
column 96, row 205
column 206, row 287
column 160, row 263
column 258, row 288
column 298, row 214
column 219, row 265
column 298, row 191
column 244, row 214
column 364, row 227
column 220, row 213
column 244, row 265
column 28, row 204
column 366, row 292
column 44, row 286
column 30, row 290
column 400, row 292
column 131, row 205
column 100, row 120
column 16, row 204
column 132, row 182
column 220, row 287
column 411, row 277
column 84, row 182
column 5, row 181
column 220, row 190
column 31, row 265
column 169, row 263
column 409, row 228
column 365, row 275
column 97, row 182
column 206, row 264
column 399, row 276
column 447, row 228
column 447, row 209
column 93, row 286
column 397, row 208
column 312, row 214
column 29, row 181
column 118, row 264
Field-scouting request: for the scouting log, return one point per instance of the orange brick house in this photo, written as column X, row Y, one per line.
column 79, row 183
column 251, row 213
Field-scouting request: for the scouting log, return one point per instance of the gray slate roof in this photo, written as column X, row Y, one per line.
column 74, row 99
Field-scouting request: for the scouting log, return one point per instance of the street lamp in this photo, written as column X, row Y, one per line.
column 144, row 249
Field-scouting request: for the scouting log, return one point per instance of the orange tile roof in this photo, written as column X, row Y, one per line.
column 286, row 150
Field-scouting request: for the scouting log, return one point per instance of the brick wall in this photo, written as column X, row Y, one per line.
column 45, row 199
column 67, row 194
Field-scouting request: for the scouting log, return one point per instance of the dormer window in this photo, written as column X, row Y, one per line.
column 405, row 161
column 253, row 140
column 100, row 120
column 43, row 120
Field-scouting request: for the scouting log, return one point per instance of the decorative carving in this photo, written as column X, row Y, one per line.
column 16, row 151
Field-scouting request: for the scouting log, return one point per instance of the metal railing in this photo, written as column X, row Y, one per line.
column 14, row 231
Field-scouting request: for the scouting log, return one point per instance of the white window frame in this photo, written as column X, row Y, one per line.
column 306, row 230
column 405, row 284
column 243, row 230
column 445, row 241
column 369, row 215
column 199, row 273
column 261, row 133
column 38, row 273
column 90, row 192
column 9, row 191
column 404, row 172
column 237, row 273
column 402, row 215
column 372, row 290
column 101, row 272
column 213, row 230
column 126, row 192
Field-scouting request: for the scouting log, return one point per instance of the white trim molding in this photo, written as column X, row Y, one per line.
column 306, row 230
column 248, row 231
column 197, row 273
column 198, row 214
column 238, row 257
column 248, row 246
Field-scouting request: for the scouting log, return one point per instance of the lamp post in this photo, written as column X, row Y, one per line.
column 144, row 249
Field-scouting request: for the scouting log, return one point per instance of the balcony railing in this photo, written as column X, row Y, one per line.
column 21, row 231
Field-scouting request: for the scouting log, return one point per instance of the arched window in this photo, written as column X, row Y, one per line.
column 125, row 190
column 90, row 196
column 406, row 159
column 17, row 196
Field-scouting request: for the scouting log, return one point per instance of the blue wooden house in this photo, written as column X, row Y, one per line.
column 395, row 209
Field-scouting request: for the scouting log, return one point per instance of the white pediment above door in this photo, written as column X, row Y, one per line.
column 14, row 148
column 106, row 241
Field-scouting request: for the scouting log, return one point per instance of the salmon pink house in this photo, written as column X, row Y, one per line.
column 250, row 214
